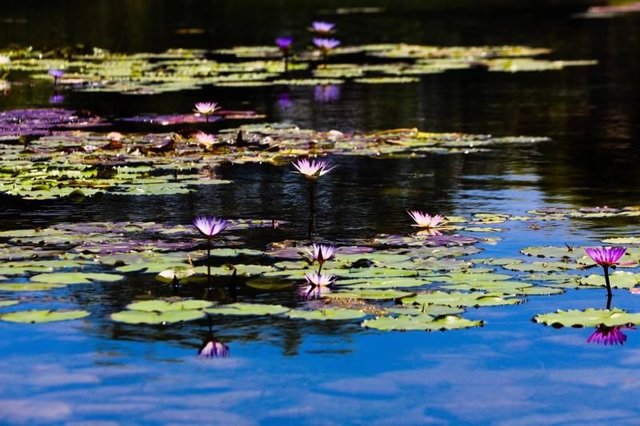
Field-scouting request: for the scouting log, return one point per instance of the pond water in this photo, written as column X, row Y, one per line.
column 511, row 371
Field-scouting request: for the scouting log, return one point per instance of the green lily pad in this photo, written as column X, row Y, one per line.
column 30, row 286
column 622, row 240
column 588, row 318
column 618, row 279
column 157, row 317
column 5, row 303
column 370, row 294
column 76, row 278
column 42, row 316
column 166, row 305
column 420, row 322
column 457, row 299
column 382, row 283
column 327, row 314
column 247, row 309
column 432, row 310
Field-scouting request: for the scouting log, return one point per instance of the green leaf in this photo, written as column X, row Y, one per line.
column 456, row 299
column 75, row 278
column 166, row 305
column 41, row 316
column 588, row 318
column 156, row 317
column 618, row 279
column 247, row 309
column 327, row 314
column 370, row 294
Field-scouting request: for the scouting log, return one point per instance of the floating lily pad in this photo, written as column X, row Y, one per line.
column 5, row 303
column 165, row 305
column 30, row 286
column 420, row 322
column 432, row 310
column 157, row 317
column 75, row 278
column 370, row 294
column 42, row 316
column 618, row 279
column 327, row 314
column 588, row 318
column 458, row 299
column 248, row 309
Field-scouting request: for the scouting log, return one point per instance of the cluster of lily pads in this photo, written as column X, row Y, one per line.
column 419, row 281
column 98, row 70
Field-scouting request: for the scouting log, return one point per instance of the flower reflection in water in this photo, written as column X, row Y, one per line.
column 213, row 348
column 284, row 101
column 325, row 93
column 609, row 335
column 318, row 285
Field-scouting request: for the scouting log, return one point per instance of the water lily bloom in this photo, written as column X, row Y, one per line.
column 212, row 348
column 322, row 252
column 209, row 225
column 425, row 220
column 325, row 44
column 322, row 27
column 205, row 139
column 606, row 256
column 284, row 44
column 319, row 280
column 56, row 73
column 608, row 335
column 206, row 108
column 312, row 169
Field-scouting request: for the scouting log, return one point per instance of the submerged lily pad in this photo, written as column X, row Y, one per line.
column 42, row 316
column 588, row 318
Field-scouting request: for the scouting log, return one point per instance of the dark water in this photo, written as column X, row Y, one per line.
column 511, row 372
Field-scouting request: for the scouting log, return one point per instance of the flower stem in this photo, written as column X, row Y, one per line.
column 606, row 281
column 209, row 263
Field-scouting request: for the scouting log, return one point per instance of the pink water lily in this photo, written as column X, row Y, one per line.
column 606, row 256
column 608, row 335
column 322, row 27
column 205, row 139
column 425, row 220
column 325, row 44
column 206, row 108
column 209, row 225
column 321, row 253
column 312, row 169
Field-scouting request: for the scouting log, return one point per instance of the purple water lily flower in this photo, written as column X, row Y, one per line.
column 213, row 348
column 209, row 225
column 606, row 257
column 325, row 44
column 322, row 252
column 607, row 335
column 312, row 169
column 56, row 74
column 425, row 220
column 284, row 44
column 322, row 27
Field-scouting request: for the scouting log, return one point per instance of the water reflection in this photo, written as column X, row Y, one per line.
column 212, row 347
column 325, row 93
column 608, row 335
